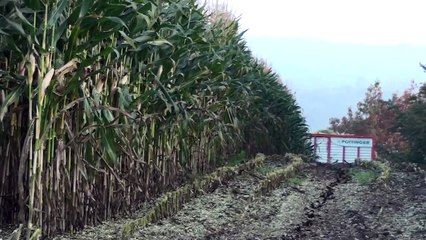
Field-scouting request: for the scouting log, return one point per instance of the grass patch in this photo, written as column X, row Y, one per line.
column 296, row 180
column 364, row 176
column 264, row 170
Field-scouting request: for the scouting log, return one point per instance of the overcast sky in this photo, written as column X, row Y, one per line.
column 344, row 21
column 329, row 51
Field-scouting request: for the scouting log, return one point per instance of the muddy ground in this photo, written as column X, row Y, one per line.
column 325, row 204
column 321, row 202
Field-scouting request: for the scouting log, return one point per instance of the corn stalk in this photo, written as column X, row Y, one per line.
column 104, row 104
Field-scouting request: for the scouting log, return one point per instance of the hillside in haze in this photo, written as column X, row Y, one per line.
column 329, row 77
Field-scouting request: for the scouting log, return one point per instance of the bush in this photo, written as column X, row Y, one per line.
column 364, row 176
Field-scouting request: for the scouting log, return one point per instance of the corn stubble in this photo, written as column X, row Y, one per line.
column 170, row 202
column 382, row 166
column 104, row 104
column 275, row 178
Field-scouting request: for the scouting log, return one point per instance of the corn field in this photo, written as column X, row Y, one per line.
column 105, row 104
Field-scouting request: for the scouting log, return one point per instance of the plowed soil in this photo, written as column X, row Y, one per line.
column 328, row 204
column 322, row 202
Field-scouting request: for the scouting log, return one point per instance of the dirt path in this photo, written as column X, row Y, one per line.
column 397, row 211
column 322, row 202
column 231, row 212
column 328, row 204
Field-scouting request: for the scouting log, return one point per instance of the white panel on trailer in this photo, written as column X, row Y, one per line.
column 321, row 149
column 343, row 148
column 365, row 154
column 336, row 152
column 352, row 142
column 351, row 154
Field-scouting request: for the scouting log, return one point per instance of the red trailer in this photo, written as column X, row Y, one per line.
column 332, row 148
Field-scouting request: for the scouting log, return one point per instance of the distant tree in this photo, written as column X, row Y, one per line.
column 375, row 116
column 412, row 126
column 326, row 131
column 366, row 118
column 350, row 124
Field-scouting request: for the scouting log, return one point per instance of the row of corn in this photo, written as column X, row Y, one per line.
column 171, row 202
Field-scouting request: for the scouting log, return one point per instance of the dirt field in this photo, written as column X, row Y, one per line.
column 321, row 202
column 327, row 204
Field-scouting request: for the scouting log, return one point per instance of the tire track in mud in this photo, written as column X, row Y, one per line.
column 231, row 213
column 313, row 211
column 326, row 205
column 305, row 211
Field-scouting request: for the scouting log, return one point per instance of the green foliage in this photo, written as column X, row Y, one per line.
column 379, row 166
column 112, row 101
column 296, row 180
column 378, row 117
column 364, row 176
column 264, row 170
column 412, row 126
column 237, row 159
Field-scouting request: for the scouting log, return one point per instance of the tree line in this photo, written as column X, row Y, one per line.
column 398, row 123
